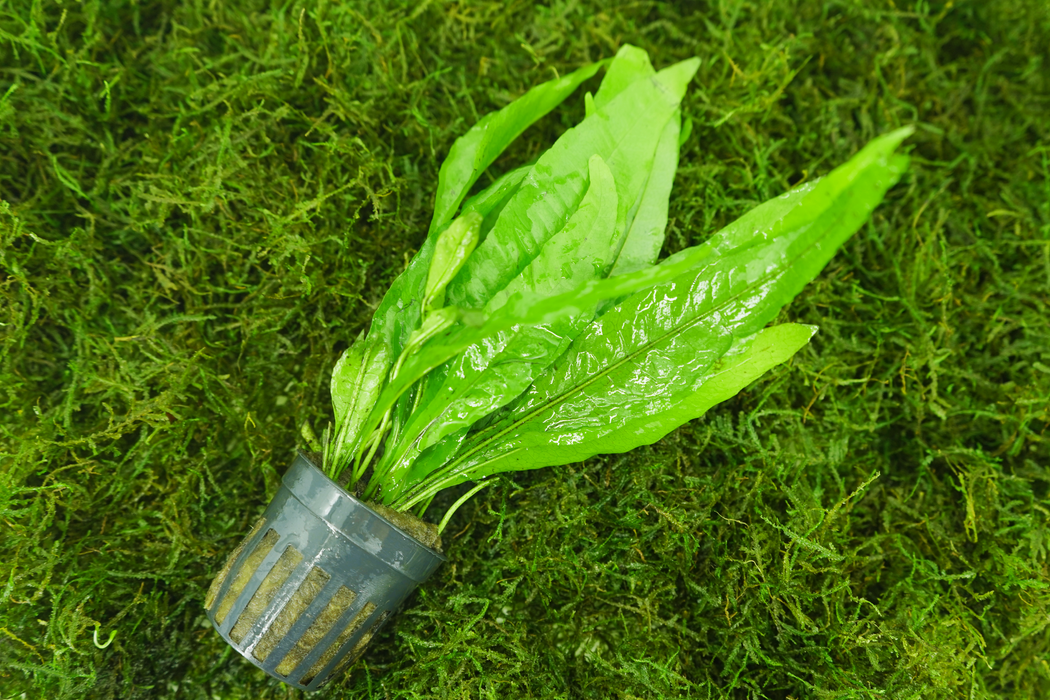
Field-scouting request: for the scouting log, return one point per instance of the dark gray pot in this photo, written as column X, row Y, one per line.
column 314, row 580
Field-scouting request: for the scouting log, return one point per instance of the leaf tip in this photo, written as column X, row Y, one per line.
column 890, row 141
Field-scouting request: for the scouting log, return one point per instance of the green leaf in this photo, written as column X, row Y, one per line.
column 400, row 312
column 745, row 361
column 529, row 308
column 489, row 374
column 665, row 339
column 357, row 380
column 653, row 412
column 629, row 133
column 523, row 308
column 624, row 133
column 490, row 202
column 453, row 247
column 580, row 251
column 645, row 237
column 630, row 65
column 432, row 459
column 476, row 150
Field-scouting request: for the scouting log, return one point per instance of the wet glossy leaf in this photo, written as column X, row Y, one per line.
column 746, row 360
column 528, row 308
column 545, row 198
column 653, row 413
column 400, row 311
column 490, row 201
column 435, row 323
column 580, row 251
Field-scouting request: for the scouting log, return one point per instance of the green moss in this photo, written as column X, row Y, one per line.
column 205, row 201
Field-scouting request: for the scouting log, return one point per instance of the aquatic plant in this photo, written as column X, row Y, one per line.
column 535, row 327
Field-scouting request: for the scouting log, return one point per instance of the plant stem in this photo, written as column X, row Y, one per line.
column 372, row 445
column 422, row 507
column 462, row 499
column 429, row 487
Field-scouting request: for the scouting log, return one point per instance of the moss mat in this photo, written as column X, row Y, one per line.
column 204, row 201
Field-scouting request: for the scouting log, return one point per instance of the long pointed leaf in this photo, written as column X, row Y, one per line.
column 357, row 379
column 476, row 150
column 529, row 308
column 745, row 361
column 645, row 237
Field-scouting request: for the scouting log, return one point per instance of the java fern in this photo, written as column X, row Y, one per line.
column 535, row 328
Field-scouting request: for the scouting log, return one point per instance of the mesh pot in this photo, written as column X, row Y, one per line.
column 314, row 580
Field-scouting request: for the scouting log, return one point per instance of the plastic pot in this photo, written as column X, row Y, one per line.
column 314, row 580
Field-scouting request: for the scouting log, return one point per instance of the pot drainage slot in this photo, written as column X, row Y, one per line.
column 269, row 586
column 244, row 574
column 296, row 606
column 359, row 648
column 339, row 603
column 348, row 631
column 220, row 578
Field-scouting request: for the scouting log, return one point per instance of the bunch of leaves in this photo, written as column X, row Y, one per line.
column 536, row 329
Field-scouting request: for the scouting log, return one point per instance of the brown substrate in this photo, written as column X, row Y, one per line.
column 426, row 533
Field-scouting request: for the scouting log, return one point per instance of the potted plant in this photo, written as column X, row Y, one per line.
column 533, row 328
